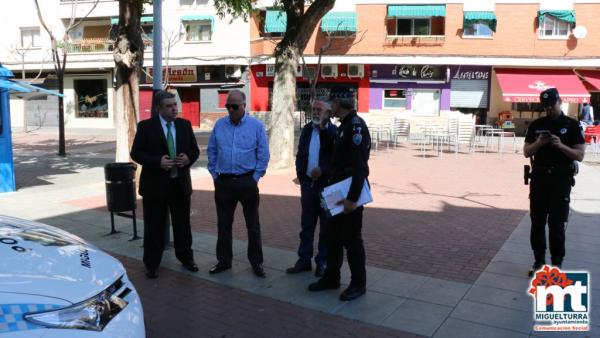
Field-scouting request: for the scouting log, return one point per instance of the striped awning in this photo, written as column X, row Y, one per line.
column 409, row 11
column 339, row 22
column 473, row 17
column 210, row 18
column 143, row 19
column 564, row 15
column 275, row 21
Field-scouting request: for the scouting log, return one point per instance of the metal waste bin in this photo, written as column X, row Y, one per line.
column 120, row 192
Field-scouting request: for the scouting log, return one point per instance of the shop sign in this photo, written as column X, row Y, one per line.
column 420, row 72
column 176, row 74
column 471, row 74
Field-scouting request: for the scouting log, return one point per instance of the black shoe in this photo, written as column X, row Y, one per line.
column 320, row 270
column 321, row 285
column 536, row 266
column 353, row 292
column 299, row 267
column 258, row 270
column 191, row 266
column 219, row 268
column 557, row 263
column 151, row 273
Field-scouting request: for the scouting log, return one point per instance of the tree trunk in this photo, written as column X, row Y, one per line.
column 129, row 57
column 280, row 121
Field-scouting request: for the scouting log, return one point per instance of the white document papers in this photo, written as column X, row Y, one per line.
column 338, row 191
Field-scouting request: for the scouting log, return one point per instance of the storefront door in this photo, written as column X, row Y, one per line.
column 190, row 102
column 426, row 102
column 145, row 104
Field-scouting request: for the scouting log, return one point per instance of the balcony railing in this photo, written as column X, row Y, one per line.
column 415, row 40
column 97, row 45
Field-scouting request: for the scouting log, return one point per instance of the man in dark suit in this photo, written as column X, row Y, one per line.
column 166, row 148
column 313, row 161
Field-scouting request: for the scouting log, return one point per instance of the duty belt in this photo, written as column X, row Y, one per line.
column 552, row 170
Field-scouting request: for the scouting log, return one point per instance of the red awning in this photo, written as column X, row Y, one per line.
column 525, row 85
column 591, row 76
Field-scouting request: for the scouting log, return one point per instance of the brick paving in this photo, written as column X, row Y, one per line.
column 206, row 309
column 444, row 218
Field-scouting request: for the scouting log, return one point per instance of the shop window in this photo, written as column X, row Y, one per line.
column 394, row 99
column 198, row 30
column 479, row 29
column 552, row 27
column 222, row 98
column 91, row 98
column 413, row 27
column 30, row 37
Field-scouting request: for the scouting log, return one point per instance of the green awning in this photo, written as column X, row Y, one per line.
column 275, row 22
column 339, row 22
column 564, row 15
column 471, row 18
column 409, row 11
column 143, row 19
column 200, row 18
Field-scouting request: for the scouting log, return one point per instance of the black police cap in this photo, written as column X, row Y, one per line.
column 549, row 97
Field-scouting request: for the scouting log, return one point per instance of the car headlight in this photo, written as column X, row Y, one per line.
column 92, row 314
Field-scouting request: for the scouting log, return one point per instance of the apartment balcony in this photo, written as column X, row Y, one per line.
column 105, row 8
column 414, row 40
column 97, row 45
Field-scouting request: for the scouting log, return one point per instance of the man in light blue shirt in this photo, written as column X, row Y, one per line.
column 238, row 156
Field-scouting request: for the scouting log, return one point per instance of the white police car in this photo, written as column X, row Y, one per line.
column 54, row 284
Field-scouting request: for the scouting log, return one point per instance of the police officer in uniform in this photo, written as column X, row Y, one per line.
column 553, row 142
column 350, row 156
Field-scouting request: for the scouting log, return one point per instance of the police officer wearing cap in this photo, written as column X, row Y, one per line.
column 553, row 142
column 350, row 156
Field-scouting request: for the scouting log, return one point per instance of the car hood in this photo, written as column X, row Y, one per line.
column 39, row 259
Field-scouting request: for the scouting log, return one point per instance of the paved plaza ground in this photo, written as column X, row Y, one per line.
column 446, row 241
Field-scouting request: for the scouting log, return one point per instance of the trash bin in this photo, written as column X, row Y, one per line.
column 120, row 186
column 120, row 192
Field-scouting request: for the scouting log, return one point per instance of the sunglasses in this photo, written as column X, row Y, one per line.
column 232, row 106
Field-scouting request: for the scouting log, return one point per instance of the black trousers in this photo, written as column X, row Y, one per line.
column 344, row 231
column 549, row 203
column 228, row 192
column 311, row 212
column 155, row 226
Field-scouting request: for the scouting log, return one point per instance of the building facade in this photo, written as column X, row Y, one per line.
column 204, row 57
column 427, row 58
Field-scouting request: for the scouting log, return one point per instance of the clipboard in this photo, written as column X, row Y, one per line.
column 338, row 191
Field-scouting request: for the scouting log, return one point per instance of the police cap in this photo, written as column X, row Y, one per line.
column 549, row 97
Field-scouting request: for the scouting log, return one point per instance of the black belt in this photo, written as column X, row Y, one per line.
column 552, row 169
column 235, row 176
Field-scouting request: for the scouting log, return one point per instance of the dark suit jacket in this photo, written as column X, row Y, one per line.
column 150, row 145
column 326, row 138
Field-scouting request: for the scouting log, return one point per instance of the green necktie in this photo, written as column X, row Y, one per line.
column 171, row 147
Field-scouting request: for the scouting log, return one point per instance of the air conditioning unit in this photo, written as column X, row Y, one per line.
column 329, row 71
column 233, row 71
column 356, row 70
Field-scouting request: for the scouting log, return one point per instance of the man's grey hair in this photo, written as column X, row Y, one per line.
column 324, row 101
column 162, row 95
column 238, row 92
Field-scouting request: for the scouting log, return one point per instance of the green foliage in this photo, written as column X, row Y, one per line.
column 233, row 8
